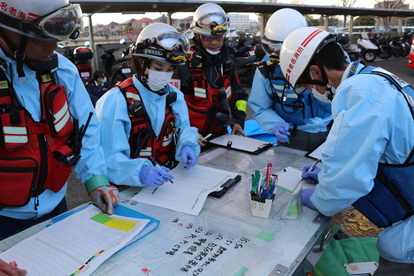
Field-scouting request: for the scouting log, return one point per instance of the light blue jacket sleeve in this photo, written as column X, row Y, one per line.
column 91, row 162
column 112, row 113
column 188, row 135
column 261, row 102
column 372, row 124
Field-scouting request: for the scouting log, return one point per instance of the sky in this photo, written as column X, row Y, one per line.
column 106, row 18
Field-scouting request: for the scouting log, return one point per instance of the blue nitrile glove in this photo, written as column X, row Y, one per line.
column 189, row 157
column 306, row 194
column 105, row 198
column 282, row 132
column 312, row 176
column 154, row 176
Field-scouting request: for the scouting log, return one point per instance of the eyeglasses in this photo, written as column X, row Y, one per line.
column 61, row 24
column 210, row 38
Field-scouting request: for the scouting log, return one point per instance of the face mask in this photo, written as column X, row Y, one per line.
column 104, row 80
column 327, row 96
column 322, row 97
column 158, row 80
column 213, row 52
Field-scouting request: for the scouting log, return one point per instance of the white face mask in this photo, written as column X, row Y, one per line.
column 213, row 52
column 327, row 96
column 104, row 80
column 158, row 80
column 322, row 97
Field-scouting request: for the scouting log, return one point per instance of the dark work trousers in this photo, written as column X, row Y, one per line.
column 11, row 226
column 303, row 140
column 388, row 268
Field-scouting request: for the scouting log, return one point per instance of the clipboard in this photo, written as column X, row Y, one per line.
column 226, row 186
column 245, row 144
column 316, row 154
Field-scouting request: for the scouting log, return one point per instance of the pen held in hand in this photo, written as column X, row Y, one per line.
column 312, row 167
column 205, row 138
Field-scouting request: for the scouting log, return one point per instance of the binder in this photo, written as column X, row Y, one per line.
column 120, row 211
column 241, row 143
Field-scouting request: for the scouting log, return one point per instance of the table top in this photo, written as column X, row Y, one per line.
column 224, row 239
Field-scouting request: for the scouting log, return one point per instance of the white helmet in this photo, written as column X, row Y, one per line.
column 280, row 24
column 42, row 19
column 210, row 20
column 162, row 42
column 298, row 49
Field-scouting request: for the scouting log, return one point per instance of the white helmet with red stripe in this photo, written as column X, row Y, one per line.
column 298, row 49
column 54, row 20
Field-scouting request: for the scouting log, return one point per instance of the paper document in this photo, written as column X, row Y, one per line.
column 76, row 245
column 241, row 143
column 189, row 191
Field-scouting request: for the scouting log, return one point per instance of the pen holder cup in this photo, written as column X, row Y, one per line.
column 261, row 207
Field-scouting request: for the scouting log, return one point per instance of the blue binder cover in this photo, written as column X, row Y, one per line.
column 121, row 211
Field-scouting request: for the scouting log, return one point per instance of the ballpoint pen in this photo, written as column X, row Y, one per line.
column 314, row 165
column 155, row 163
column 207, row 136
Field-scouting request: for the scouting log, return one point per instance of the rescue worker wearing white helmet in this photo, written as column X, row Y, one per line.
column 213, row 92
column 367, row 160
column 144, row 119
column 297, row 121
column 47, row 126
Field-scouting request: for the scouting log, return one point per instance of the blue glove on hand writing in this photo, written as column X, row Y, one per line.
column 312, row 176
column 306, row 194
column 105, row 198
column 189, row 157
column 154, row 176
column 282, row 132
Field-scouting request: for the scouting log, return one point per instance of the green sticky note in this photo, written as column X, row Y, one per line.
column 293, row 210
column 101, row 218
column 266, row 236
column 242, row 271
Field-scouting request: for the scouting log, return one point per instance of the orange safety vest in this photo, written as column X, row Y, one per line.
column 200, row 104
column 143, row 141
column 34, row 156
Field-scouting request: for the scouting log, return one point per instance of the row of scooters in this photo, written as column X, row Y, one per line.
column 115, row 70
column 369, row 46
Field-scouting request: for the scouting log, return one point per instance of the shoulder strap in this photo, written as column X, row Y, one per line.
column 401, row 85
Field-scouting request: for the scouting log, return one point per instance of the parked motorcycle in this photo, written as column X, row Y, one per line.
column 241, row 50
column 368, row 49
column 120, row 69
column 245, row 68
column 81, row 57
column 384, row 48
column 352, row 49
column 108, row 57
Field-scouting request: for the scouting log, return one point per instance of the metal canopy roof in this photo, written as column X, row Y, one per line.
column 106, row 6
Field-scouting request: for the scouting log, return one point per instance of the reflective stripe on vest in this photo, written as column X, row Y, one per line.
column 15, row 135
column 61, row 117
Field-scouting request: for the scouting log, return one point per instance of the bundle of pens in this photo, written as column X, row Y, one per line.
column 262, row 192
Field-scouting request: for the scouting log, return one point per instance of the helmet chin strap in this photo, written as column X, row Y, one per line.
column 18, row 54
